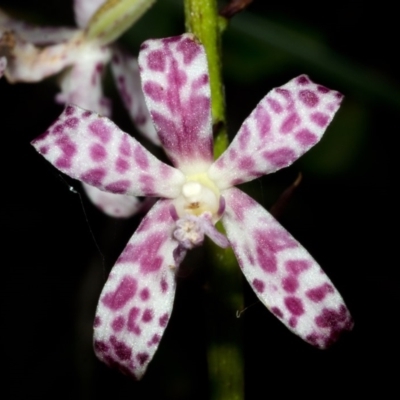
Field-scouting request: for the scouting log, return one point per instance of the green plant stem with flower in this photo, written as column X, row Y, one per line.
column 224, row 291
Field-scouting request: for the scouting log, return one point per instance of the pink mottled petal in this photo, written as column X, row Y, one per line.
column 286, row 123
column 126, row 74
column 117, row 205
column 82, row 83
column 136, row 302
column 176, row 88
column 287, row 280
column 94, row 150
column 84, row 9
column 36, row 34
column 28, row 63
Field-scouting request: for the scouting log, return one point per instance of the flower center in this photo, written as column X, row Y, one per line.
column 196, row 210
column 199, row 194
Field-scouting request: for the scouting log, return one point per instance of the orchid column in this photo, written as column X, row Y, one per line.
column 224, row 294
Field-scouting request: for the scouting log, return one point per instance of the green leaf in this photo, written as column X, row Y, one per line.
column 114, row 17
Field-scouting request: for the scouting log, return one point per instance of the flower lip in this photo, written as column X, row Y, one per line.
column 199, row 195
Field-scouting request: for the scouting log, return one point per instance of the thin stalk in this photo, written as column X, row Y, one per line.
column 224, row 289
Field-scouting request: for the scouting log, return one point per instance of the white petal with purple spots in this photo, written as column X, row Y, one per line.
column 94, row 150
column 136, row 302
column 177, row 92
column 286, row 123
column 286, row 279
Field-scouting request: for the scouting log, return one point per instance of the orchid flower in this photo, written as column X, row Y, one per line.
column 137, row 299
column 38, row 52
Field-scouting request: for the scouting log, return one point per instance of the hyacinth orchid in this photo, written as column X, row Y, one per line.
column 38, row 52
column 137, row 299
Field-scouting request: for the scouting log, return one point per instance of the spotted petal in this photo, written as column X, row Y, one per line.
column 287, row 280
column 286, row 123
column 94, row 150
column 126, row 73
column 136, row 302
column 28, row 63
column 176, row 87
column 84, row 10
column 82, row 83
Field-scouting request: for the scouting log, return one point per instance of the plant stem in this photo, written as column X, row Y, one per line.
column 224, row 290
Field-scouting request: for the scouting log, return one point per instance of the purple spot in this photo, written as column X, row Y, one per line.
column 147, row 315
column 125, row 148
column 68, row 149
column 275, row 105
column 69, row 110
column 294, row 305
column 308, row 98
column 319, row 293
column 145, row 294
column 320, row 119
column 330, row 318
column 306, row 138
column 313, row 339
column 303, row 80
column 164, row 285
column 200, row 82
column 72, row 122
column 147, row 186
column 293, row 322
column 86, row 114
column 122, row 351
column 43, row 150
column 284, row 92
column 97, row 152
column 100, row 346
column 93, row 176
column 132, row 317
column 190, row 49
column 258, row 285
column 58, row 129
column 154, row 340
column 118, row 323
column 124, row 292
column 121, row 165
column 322, row 89
column 277, row 312
column 289, row 123
column 142, row 358
column 246, row 163
column 281, row 157
column 100, row 130
column 243, row 137
column 290, row 284
column 263, row 121
column 154, row 90
column 97, row 322
column 156, row 60
column 295, row 267
column 120, row 187
column 163, row 321
column 266, row 258
column 141, row 158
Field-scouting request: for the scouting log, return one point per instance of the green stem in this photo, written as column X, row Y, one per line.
column 224, row 295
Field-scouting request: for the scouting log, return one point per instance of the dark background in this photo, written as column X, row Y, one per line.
column 344, row 213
